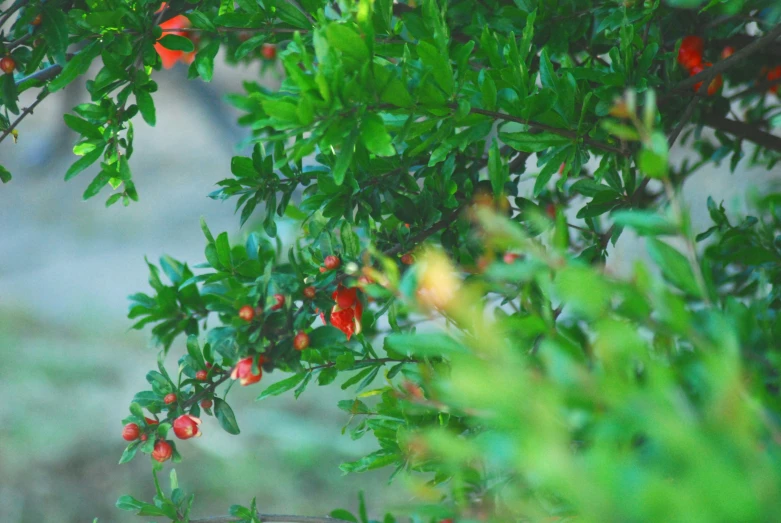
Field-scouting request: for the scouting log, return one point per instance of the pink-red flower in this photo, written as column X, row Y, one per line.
column 168, row 56
column 186, row 427
column 346, row 314
column 162, row 451
column 243, row 372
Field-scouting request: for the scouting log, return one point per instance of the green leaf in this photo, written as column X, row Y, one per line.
column 652, row 159
column 350, row 241
column 674, row 265
column 341, row 513
column 129, row 503
column 83, row 127
column 146, row 106
column 204, row 60
column 225, row 416
column 442, row 72
column 533, row 143
column 224, row 250
column 420, row 344
column 344, row 157
column 5, row 175
column 497, row 171
column 77, row 66
column 646, row 223
column 194, row 350
column 374, row 136
column 348, row 41
column 129, row 453
column 97, row 184
column 242, row 167
column 177, row 43
column 282, row 386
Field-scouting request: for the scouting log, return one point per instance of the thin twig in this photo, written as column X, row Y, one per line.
column 422, row 235
column 11, row 10
column 209, row 389
column 25, row 112
column 555, row 130
column 743, row 130
column 271, row 518
column 44, row 74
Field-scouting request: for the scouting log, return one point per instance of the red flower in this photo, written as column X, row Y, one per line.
column 690, row 52
column 279, row 302
column 310, row 292
column 714, row 85
column 774, row 74
column 186, row 427
column 169, row 398
column 162, row 451
column 201, row 375
column 243, row 372
column 727, row 52
column 150, row 421
column 130, row 432
column 246, row 313
column 168, row 56
column 346, row 314
column 332, row 262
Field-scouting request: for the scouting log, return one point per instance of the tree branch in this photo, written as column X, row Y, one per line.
column 271, row 518
column 743, row 130
column 209, row 389
column 555, row 130
column 25, row 112
column 11, row 10
column 422, row 235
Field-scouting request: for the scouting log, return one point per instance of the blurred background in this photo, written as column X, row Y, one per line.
column 70, row 365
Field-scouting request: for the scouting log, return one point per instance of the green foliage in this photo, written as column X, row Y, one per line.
column 501, row 368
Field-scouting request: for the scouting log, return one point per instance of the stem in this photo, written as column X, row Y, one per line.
column 208, row 390
column 271, row 518
column 743, row 130
column 555, row 130
column 381, row 361
column 25, row 112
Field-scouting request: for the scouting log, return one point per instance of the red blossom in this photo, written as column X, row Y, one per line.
column 186, row 427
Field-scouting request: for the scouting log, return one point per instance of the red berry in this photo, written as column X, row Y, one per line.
column 207, row 404
column 162, row 451
column 332, row 262
column 7, row 64
column 169, row 398
column 201, row 375
column 407, row 259
column 510, row 257
column 714, row 85
column 143, row 437
column 301, row 341
column 269, row 51
column 309, row 292
column 150, row 421
column 727, row 52
column 246, row 313
column 37, row 20
column 774, row 74
column 243, row 372
column 130, row 432
column 279, row 302
column 690, row 52
column 186, row 427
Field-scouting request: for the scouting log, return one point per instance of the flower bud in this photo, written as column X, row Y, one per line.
column 186, row 427
column 130, row 432
column 162, row 451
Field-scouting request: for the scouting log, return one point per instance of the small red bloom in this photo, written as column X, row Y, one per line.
column 143, row 437
column 510, row 257
column 309, row 292
column 346, row 314
column 169, row 398
column 550, row 210
column 243, row 372
column 201, row 375
column 150, row 421
column 130, row 432
column 246, row 313
column 207, row 404
column 168, row 56
column 269, row 51
column 7, row 64
column 727, row 52
column 690, row 52
column 332, row 262
column 301, row 341
column 774, row 74
column 714, row 85
column 322, row 269
column 186, row 427
column 37, row 20
column 279, row 302
column 162, row 451
column 407, row 259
